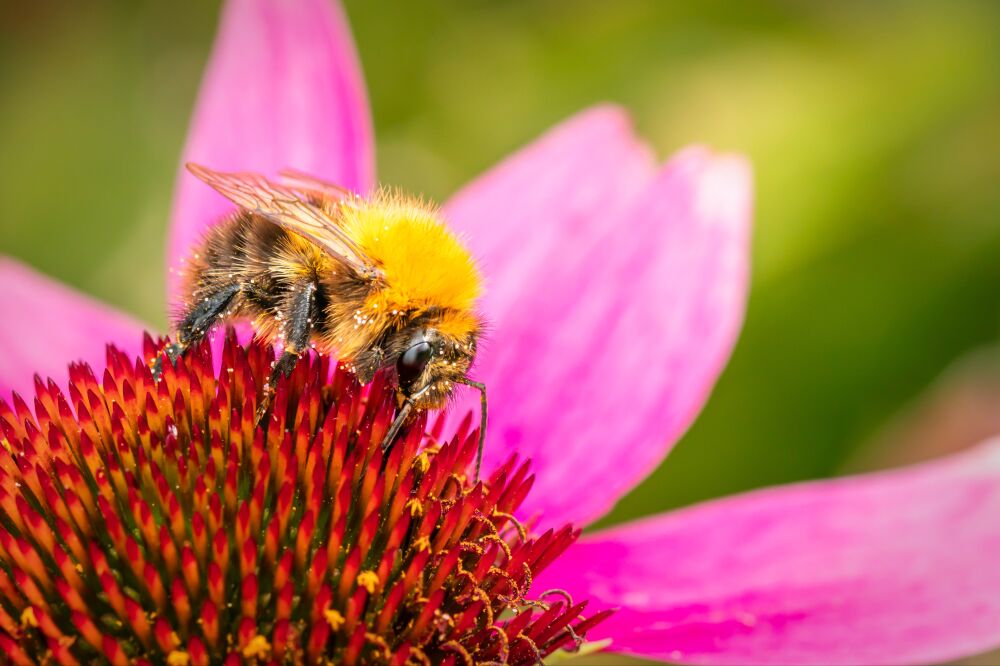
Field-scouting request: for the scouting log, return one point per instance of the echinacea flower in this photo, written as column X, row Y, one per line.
column 616, row 290
column 153, row 522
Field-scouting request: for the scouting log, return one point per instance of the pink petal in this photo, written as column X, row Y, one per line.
column 891, row 568
column 283, row 88
column 615, row 292
column 48, row 325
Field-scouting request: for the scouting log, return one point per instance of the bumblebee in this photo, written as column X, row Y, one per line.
column 379, row 281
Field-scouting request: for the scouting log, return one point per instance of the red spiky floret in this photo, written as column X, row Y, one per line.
column 153, row 522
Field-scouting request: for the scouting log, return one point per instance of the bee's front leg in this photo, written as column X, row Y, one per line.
column 298, row 313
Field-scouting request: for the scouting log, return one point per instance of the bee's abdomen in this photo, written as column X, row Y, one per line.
column 269, row 265
column 238, row 251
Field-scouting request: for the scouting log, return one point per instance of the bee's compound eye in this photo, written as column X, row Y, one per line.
column 412, row 362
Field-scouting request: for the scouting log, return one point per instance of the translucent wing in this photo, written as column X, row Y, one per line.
column 296, row 206
column 319, row 191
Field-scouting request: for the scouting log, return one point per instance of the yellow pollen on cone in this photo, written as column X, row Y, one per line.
column 333, row 618
column 416, row 508
column 423, row 543
column 422, row 463
column 368, row 580
column 28, row 618
column 178, row 658
column 257, row 647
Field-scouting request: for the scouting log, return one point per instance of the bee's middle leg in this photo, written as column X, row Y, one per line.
column 298, row 314
column 196, row 324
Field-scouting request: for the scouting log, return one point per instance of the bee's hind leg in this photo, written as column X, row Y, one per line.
column 196, row 323
column 172, row 351
column 299, row 315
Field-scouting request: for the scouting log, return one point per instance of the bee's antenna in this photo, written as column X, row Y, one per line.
column 482, row 421
column 407, row 407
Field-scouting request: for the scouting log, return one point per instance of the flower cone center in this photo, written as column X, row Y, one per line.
column 153, row 522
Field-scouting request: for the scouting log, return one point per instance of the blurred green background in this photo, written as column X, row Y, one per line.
column 874, row 129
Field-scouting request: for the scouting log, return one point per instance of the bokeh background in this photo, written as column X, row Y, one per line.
column 874, row 129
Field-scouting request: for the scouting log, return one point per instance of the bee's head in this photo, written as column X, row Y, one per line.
column 430, row 362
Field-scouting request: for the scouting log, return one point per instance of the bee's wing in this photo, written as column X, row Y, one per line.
column 286, row 207
column 314, row 188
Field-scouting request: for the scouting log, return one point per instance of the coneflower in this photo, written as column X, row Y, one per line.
column 152, row 522
column 617, row 289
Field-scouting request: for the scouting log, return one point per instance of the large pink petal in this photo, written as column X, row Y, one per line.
column 283, row 89
column 615, row 293
column 47, row 325
column 891, row 568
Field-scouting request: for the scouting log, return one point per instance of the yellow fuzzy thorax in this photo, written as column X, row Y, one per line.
column 424, row 263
